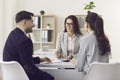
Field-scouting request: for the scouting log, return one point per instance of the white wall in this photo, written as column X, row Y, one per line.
column 109, row 9
column 7, row 10
column 1, row 31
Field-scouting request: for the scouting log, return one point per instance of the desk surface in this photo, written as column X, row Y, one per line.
column 60, row 70
column 55, row 61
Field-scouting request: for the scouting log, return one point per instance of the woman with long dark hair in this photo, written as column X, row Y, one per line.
column 67, row 44
column 95, row 46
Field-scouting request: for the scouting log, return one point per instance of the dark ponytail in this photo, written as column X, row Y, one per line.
column 96, row 24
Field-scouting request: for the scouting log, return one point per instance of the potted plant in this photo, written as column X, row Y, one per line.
column 48, row 25
column 89, row 6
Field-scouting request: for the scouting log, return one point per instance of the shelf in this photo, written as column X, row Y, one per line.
column 47, row 29
column 48, row 42
column 36, row 28
column 43, row 35
column 43, row 29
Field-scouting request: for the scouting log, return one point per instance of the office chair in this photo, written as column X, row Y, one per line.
column 103, row 71
column 13, row 71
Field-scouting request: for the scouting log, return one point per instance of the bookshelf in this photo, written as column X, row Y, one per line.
column 44, row 32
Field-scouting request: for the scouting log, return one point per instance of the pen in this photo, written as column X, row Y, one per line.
column 66, row 68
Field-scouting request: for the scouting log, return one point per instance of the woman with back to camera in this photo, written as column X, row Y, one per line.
column 67, row 44
column 95, row 46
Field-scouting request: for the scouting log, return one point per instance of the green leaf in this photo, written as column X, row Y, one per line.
column 89, row 6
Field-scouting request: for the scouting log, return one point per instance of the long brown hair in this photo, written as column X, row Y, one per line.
column 75, row 23
column 96, row 24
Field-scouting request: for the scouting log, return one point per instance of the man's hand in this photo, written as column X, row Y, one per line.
column 45, row 59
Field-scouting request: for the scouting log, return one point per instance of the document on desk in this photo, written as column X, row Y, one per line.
column 56, row 61
column 53, row 61
column 49, row 54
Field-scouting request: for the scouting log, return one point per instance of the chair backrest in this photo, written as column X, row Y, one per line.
column 103, row 71
column 13, row 71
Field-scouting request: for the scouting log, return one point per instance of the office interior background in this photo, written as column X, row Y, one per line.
column 108, row 9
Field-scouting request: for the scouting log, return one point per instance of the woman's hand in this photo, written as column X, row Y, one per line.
column 69, row 56
column 58, row 54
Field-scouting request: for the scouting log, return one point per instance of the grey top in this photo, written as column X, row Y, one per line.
column 89, row 52
column 61, row 44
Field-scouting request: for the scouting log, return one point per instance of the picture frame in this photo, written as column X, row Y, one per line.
column 81, row 20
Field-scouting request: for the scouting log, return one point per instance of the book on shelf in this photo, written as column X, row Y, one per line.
column 46, row 35
column 49, row 35
column 43, row 39
column 37, row 21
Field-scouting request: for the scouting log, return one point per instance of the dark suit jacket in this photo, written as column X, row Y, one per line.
column 19, row 48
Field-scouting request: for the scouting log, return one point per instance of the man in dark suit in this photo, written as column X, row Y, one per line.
column 19, row 48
